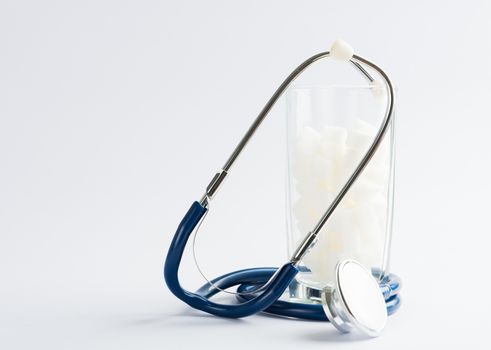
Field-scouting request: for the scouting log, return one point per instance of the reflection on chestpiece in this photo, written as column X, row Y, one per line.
column 357, row 298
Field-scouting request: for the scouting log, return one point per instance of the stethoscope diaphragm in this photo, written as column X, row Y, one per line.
column 355, row 302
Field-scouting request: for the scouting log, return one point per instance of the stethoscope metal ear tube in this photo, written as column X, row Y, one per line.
column 218, row 178
column 310, row 238
column 264, row 286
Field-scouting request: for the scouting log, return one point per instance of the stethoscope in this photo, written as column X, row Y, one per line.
column 358, row 300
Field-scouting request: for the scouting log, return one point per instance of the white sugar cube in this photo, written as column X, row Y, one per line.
column 308, row 141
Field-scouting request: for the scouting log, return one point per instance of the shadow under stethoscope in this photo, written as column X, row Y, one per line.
column 330, row 334
column 334, row 336
column 190, row 318
column 187, row 317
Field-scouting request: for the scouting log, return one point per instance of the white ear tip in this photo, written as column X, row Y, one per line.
column 341, row 50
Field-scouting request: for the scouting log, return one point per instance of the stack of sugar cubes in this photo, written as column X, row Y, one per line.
column 322, row 161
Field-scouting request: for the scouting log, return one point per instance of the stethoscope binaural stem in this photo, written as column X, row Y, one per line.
column 311, row 238
column 219, row 177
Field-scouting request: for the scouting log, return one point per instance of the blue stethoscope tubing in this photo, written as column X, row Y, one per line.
column 277, row 281
column 271, row 293
column 252, row 279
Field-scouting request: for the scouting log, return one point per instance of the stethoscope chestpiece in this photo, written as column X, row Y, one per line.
column 355, row 303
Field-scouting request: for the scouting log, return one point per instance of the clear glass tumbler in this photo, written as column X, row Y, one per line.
column 329, row 129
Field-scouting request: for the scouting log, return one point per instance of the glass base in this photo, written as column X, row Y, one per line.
column 300, row 293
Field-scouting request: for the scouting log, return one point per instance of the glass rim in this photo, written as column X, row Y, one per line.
column 341, row 86
column 304, row 86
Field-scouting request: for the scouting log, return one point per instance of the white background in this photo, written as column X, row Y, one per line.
column 114, row 115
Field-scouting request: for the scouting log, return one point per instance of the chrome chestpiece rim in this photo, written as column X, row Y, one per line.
column 356, row 302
